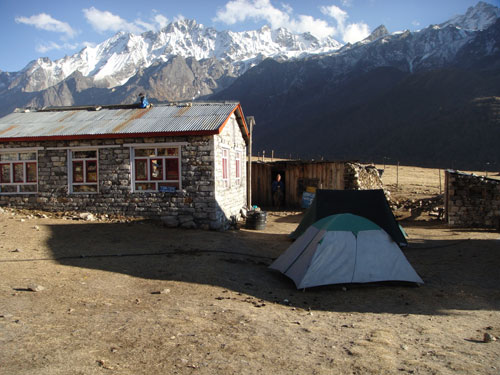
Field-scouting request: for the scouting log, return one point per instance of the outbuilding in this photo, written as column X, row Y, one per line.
column 183, row 162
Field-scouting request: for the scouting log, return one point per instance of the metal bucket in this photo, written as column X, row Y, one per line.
column 256, row 220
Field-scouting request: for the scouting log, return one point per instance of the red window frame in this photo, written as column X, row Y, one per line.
column 225, row 162
column 168, row 170
column 27, row 174
column 14, row 174
column 83, row 172
column 1, row 174
column 86, row 174
column 237, row 162
column 145, row 161
column 162, row 170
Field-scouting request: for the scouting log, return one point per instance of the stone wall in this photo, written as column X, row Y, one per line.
column 361, row 177
column 472, row 201
column 194, row 205
column 231, row 197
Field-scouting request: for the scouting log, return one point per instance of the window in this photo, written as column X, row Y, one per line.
column 237, row 162
column 225, row 167
column 156, row 169
column 18, row 172
column 83, row 171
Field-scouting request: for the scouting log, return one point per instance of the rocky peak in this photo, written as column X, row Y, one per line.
column 479, row 17
column 377, row 33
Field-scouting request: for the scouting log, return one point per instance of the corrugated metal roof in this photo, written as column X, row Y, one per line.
column 63, row 122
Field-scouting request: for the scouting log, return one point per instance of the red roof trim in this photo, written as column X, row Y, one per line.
column 240, row 119
column 108, row 136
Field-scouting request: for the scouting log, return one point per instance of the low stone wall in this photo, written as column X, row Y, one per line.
column 472, row 201
column 361, row 177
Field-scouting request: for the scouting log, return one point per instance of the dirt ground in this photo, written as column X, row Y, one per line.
column 137, row 298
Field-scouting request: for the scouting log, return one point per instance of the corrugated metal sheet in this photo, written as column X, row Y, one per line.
column 206, row 117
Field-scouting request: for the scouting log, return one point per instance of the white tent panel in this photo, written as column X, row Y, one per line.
column 378, row 258
column 293, row 252
column 297, row 270
column 333, row 262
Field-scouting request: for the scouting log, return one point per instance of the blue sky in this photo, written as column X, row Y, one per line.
column 54, row 28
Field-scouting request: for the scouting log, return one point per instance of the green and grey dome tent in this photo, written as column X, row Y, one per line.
column 342, row 249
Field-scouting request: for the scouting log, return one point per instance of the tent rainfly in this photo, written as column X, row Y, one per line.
column 370, row 204
column 342, row 249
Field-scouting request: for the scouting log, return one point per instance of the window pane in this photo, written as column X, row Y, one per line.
column 170, row 151
column 9, row 156
column 78, row 171
column 172, row 169
column 8, row 188
column 145, row 152
column 90, row 154
column 141, row 172
column 5, row 173
column 91, row 171
column 18, row 172
column 28, row 188
column 31, row 172
column 145, row 186
column 224, row 168
column 156, row 169
column 27, row 156
column 85, row 188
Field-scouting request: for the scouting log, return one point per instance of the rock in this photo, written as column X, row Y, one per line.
column 488, row 337
column 170, row 221
column 36, row 227
column 35, row 288
column 16, row 251
column 87, row 216
column 164, row 291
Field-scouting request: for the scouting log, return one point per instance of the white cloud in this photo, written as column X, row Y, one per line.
column 161, row 20
column 350, row 33
column 346, row 3
column 103, row 21
column 415, row 23
column 50, row 46
column 262, row 10
column 354, row 32
column 45, row 21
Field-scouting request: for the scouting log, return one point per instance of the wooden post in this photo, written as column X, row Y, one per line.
column 397, row 175
column 272, row 155
column 439, row 171
column 251, row 123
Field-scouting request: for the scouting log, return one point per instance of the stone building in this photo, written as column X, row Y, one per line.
column 183, row 162
column 472, row 201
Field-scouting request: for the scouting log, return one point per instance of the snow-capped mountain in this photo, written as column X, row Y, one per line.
column 427, row 97
column 116, row 60
column 479, row 17
column 186, row 61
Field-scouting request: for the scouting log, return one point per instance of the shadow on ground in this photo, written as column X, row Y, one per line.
column 461, row 275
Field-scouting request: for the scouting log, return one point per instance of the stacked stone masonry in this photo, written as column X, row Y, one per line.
column 201, row 202
column 472, row 201
column 361, row 177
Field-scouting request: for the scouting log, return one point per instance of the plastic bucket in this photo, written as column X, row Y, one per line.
column 256, row 220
